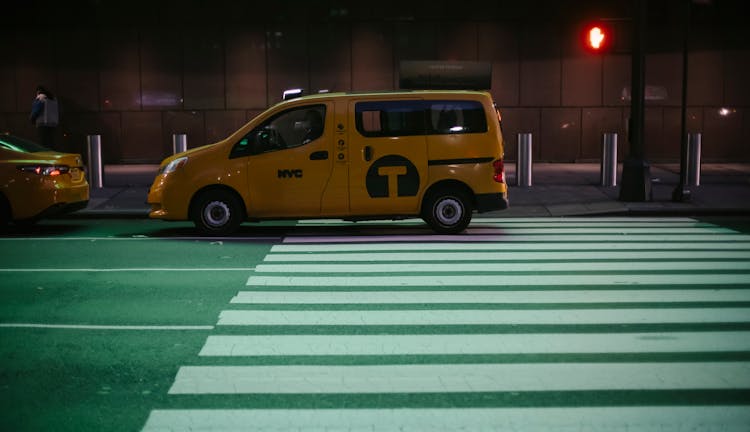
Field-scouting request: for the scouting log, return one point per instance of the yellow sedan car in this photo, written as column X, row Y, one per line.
column 37, row 182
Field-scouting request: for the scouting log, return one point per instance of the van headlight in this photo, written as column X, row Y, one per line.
column 174, row 165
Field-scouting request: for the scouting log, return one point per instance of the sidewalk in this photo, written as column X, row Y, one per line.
column 558, row 190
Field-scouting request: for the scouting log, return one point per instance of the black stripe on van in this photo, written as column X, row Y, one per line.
column 460, row 161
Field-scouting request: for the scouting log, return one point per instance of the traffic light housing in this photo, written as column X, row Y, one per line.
column 597, row 37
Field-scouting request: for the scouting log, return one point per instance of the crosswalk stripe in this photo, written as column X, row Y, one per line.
column 467, row 344
column 503, row 280
column 472, row 236
column 452, row 378
column 491, row 297
column 512, row 255
column 511, row 220
column 483, row 317
column 506, row 267
column 514, row 248
column 534, row 419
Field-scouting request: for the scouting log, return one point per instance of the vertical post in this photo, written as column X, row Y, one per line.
column 694, row 159
column 636, row 172
column 681, row 193
column 94, row 145
column 179, row 143
column 523, row 160
column 608, row 168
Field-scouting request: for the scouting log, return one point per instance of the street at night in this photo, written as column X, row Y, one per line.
column 595, row 323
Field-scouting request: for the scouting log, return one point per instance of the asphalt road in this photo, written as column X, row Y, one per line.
column 537, row 324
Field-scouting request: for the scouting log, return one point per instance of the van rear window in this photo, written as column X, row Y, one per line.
column 419, row 117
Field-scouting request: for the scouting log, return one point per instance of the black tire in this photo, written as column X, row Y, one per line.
column 447, row 211
column 217, row 212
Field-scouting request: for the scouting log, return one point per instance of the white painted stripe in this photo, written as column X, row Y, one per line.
column 503, row 280
column 490, row 297
column 586, row 219
column 452, row 378
column 138, row 238
column 484, row 317
column 530, row 220
column 624, row 230
column 478, row 223
column 641, row 419
column 506, row 267
column 515, row 237
column 104, row 327
column 115, row 270
column 510, row 248
column 512, row 255
column 467, row 344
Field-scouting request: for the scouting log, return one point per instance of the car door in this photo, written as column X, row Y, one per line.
column 388, row 157
column 290, row 162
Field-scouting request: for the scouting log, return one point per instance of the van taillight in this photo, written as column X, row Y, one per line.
column 499, row 175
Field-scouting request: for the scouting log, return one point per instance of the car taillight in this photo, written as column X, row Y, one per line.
column 45, row 170
column 499, row 167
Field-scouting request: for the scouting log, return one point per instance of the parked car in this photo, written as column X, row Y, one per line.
column 37, row 182
column 437, row 155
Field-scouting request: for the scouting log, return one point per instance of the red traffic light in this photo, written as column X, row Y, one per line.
column 597, row 37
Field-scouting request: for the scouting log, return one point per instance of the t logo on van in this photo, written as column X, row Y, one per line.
column 287, row 173
column 392, row 175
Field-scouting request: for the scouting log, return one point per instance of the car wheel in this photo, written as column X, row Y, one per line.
column 447, row 211
column 217, row 212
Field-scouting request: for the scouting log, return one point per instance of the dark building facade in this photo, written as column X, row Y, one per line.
column 138, row 72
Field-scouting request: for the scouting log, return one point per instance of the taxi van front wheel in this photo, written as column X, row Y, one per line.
column 217, row 212
column 447, row 211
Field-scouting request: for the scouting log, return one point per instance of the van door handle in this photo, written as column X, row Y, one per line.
column 319, row 155
column 368, row 153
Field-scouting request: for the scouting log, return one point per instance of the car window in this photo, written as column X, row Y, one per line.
column 288, row 129
column 457, row 117
column 11, row 142
column 413, row 117
column 390, row 118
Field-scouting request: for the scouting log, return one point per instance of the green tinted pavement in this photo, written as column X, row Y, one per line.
column 536, row 324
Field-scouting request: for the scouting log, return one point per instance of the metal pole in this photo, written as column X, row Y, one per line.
column 179, row 143
column 694, row 159
column 608, row 168
column 636, row 172
column 523, row 160
column 681, row 193
column 94, row 145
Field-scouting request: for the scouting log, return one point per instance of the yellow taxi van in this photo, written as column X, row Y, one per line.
column 437, row 155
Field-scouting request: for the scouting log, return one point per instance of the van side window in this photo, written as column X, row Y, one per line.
column 291, row 128
column 457, row 117
column 390, row 118
column 404, row 118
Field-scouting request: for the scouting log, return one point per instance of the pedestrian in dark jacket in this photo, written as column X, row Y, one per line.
column 45, row 115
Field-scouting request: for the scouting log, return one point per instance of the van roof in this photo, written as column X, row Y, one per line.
column 388, row 93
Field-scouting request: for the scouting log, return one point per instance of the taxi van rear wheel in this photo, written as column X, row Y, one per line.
column 217, row 212
column 447, row 211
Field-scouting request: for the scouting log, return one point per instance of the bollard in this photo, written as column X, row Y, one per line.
column 179, row 143
column 94, row 145
column 523, row 160
column 694, row 159
column 608, row 168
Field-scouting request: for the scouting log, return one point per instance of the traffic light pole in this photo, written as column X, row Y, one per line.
column 681, row 193
column 636, row 172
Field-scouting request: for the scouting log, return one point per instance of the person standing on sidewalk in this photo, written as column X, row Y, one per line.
column 45, row 115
